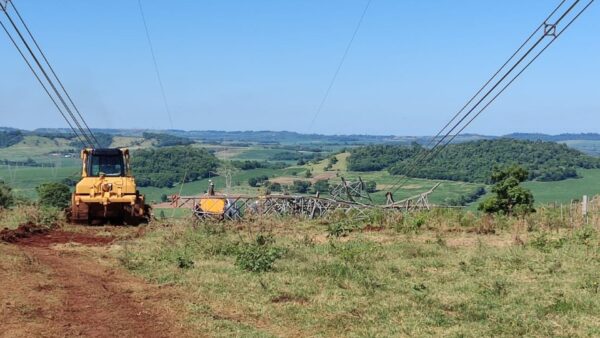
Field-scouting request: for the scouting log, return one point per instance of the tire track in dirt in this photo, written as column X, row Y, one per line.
column 97, row 300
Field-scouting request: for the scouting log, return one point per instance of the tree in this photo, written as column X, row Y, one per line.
column 6, row 196
column 56, row 195
column 253, row 182
column 308, row 174
column 321, row 186
column 510, row 197
column 371, row 186
column 275, row 186
column 165, row 167
column 301, row 187
column 258, row 180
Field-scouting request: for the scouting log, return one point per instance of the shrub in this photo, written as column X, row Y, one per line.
column 55, row 195
column 258, row 180
column 371, row 186
column 6, row 196
column 275, row 186
column 258, row 256
column 300, row 187
column 321, row 186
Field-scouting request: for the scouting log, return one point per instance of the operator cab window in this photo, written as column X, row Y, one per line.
column 109, row 165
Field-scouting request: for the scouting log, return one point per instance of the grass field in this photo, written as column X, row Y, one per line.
column 36, row 148
column 567, row 190
column 24, row 180
column 387, row 278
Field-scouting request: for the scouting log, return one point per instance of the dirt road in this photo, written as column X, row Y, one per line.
column 65, row 283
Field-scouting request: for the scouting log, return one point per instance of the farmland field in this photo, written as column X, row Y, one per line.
column 567, row 190
column 24, row 180
column 43, row 150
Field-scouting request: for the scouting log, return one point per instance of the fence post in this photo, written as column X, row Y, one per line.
column 584, row 208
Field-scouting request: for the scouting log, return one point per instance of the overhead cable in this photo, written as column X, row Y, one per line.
column 76, row 124
column 89, row 131
column 551, row 31
column 339, row 66
column 156, row 69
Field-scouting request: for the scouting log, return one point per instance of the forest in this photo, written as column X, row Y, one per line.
column 10, row 137
column 165, row 167
column 474, row 161
column 167, row 140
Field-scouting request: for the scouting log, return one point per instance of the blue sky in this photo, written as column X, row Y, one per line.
column 265, row 65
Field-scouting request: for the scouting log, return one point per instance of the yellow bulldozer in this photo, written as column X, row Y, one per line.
column 107, row 191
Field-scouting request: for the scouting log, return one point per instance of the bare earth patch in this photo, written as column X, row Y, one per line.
column 49, row 290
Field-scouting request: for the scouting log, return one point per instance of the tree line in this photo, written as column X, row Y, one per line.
column 10, row 137
column 165, row 167
column 474, row 161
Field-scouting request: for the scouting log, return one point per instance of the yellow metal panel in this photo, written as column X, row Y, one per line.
column 213, row 205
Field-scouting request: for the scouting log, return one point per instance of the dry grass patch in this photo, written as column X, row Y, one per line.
column 410, row 277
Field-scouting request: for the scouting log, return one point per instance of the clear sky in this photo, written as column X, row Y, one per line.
column 266, row 64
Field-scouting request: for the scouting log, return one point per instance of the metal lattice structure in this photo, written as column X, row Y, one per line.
column 349, row 198
column 417, row 202
column 355, row 192
column 238, row 206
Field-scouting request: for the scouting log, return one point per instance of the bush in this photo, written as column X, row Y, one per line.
column 256, row 181
column 6, row 196
column 321, row 186
column 258, row 256
column 301, row 187
column 55, row 195
column 371, row 186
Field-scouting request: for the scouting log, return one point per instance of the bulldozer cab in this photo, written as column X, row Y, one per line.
column 105, row 162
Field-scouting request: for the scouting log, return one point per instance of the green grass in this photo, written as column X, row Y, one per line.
column 257, row 154
column 37, row 148
column 567, row 190
column 24, row 180
column 399, row 281
column 239, row 184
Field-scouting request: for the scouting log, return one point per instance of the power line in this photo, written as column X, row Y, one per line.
column 549, row 30
column 426, row 149
column 340, row 64
column 53, row 72
column 74, row 120
column 556, row 36
column 156, row 69
column 79, row 137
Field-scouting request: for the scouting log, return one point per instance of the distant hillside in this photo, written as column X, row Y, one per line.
column 10, row 137
column 272, row 137
column 554, row 138
column 474, row 161
column 588, row 143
